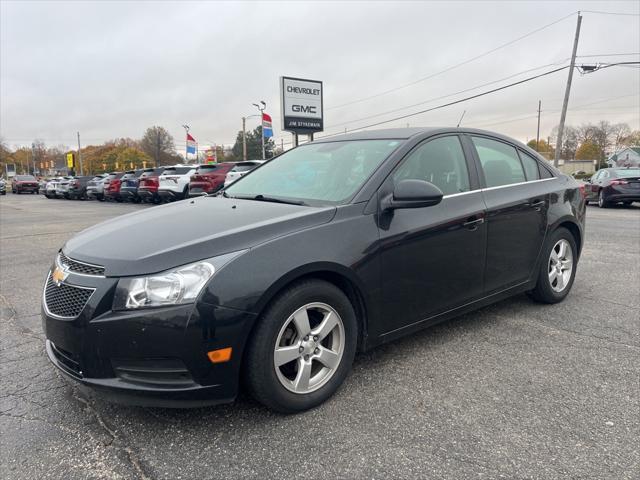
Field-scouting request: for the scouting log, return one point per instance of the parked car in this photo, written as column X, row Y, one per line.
column 614, row 185
column 77, row 189
column 3, row 186
column 129, row 185
column 50, row 187
column 148, row 185
column 62, row 187
column 278, row 281
column 24, row 183
column 111, row 186
column 95, row 187
column 240, row 169
column 173, row 184
column 42, row 186
column 209, row 178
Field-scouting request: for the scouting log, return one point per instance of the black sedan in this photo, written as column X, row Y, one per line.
column 614, row 185
column 280, row 278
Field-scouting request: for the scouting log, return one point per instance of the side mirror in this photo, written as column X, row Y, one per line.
column 412, row 193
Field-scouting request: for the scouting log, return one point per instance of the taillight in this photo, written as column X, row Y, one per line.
column 618, row 182
column 583, row 191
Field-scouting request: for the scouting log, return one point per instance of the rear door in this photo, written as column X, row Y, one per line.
column 517, row 203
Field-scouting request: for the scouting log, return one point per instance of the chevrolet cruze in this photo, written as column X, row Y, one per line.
column 334, row 247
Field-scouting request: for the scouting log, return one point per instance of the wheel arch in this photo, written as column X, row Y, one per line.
column 336, row 274
column 574, row 228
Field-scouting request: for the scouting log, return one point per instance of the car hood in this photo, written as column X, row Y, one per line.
column 159, row 238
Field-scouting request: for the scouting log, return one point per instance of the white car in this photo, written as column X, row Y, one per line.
column 241, row 169
column 174, row 182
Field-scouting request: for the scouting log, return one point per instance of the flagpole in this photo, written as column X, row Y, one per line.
column 186, row 139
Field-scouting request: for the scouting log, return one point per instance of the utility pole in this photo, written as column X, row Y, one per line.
column 244, row 138
column 80, row 155
column 538, row 131
column 33, row 158
column 157, row 147
column 565, row 103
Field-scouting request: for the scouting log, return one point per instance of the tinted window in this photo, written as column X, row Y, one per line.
column 441, row 162
column 530, row 165
column 25, row 178
column 499, row 161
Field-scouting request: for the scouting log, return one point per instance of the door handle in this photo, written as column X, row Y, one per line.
column 472, row 224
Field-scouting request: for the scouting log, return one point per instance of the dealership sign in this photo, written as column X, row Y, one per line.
column 301, row 105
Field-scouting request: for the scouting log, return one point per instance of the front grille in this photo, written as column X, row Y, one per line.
column 79, row 267
column 65, row 300
column 66, row 361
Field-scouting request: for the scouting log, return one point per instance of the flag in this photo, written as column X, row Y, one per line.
column 191, row 144
column 267, row 130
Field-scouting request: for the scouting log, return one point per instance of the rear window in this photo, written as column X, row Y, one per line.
column 177, row 171
column 25, row 178
column 207, row 168
column 627, row 172
column 243, row 168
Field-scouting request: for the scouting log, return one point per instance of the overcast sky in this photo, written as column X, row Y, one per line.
column 113, row 68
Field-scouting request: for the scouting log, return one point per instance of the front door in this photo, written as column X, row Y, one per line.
column 432, row 258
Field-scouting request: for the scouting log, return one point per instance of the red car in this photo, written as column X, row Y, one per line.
column 112, row 185
column 24, row 183
column 209, row 178
column 148, row 185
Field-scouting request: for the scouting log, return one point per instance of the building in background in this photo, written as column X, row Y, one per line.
column 628, row 157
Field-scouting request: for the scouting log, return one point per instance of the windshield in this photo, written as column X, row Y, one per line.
column 25, row 178
column 628, row 172
column 316, row 173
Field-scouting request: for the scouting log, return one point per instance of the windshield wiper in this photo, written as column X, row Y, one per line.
column 263, row 198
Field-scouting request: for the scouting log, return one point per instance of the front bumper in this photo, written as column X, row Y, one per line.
column 129, row 193
column 151, row 357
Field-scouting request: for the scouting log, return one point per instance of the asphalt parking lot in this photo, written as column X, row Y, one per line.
column 515, row 390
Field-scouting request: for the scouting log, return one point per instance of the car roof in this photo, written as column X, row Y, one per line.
column 406, row 133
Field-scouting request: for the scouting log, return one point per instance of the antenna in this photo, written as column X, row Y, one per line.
column 460, row 121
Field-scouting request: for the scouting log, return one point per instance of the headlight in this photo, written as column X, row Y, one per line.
column 173, row 287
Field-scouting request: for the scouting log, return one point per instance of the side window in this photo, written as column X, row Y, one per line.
column 545, row 172
column 441, row 162
column 500, row 162
column 530, row 165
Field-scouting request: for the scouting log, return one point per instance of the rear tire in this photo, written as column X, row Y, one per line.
column 602, row 203
column 324, row 354
column 553, row 283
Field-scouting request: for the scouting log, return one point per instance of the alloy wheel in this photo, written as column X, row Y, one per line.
column 309, row 348
column 560, row 265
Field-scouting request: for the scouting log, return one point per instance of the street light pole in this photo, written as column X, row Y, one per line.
column 244, row 139
column 264, row 105
column 80, row 156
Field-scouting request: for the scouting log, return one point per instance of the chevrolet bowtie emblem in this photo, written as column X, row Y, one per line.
column 59, row 275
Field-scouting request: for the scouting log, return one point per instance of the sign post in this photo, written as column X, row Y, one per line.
column 301, row 104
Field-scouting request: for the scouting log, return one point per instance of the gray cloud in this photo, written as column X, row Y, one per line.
column 111, row 69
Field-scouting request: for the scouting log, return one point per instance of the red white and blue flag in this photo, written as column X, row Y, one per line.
column 192, row 145
column 267, row 129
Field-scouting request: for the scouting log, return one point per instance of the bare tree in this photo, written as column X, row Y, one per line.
column 157, row 142
column 619, row 132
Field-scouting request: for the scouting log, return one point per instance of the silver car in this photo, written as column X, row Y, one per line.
column 95, row 187
column 241, row 169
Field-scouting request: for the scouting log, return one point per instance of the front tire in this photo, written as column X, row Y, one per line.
column 302, row 347
column 557, row 269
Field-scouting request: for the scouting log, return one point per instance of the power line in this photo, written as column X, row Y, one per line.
column 444, row 96
column 452, row 103
column 448, row 69
column 608, row 55
column 612, row 13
